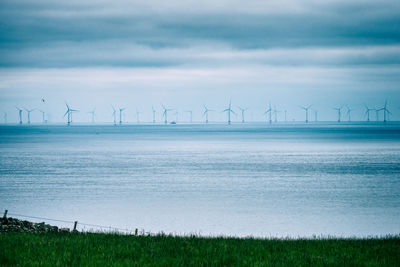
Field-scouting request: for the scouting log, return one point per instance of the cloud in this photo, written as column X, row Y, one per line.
column 120, row 54
column 68, row 32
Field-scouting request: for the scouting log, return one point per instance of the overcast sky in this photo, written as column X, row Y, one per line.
column 186, row 54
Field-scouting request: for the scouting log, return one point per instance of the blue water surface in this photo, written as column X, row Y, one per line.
column 242, row 179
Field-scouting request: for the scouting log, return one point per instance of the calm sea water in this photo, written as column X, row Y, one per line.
column 254, row 179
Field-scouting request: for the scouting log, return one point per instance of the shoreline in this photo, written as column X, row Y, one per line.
column 15, row 225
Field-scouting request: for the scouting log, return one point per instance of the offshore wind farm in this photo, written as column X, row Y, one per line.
column 203, row 116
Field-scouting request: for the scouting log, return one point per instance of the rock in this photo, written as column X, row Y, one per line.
column 15, row 225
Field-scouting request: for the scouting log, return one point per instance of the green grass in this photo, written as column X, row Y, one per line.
column 94, row 249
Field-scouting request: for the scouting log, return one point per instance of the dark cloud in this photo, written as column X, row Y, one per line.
column 93, row 33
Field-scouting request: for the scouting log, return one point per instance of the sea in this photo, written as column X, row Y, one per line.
column 251, row 179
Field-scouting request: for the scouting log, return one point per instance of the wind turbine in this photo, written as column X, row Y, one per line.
column 154, row 114
column 385, row 111
column 275, row 111
column 120, row 114
column 339, row 109
column 176, row 116
column 114, row 113
column 349, row 112
column 269, row 110
column 242, row 110
column 5, row 117
column 19, row 114
column 367, row 110
column 191, row 115
column 93, row 114
column 377, row 113
column 43, row 115
column 306, row 110
column 285, row 115
column 206, row 110
column 29, row 114
column 229, row 110
column 315, row 115
column 137, row 116
column 165, row 114
column 69, row 113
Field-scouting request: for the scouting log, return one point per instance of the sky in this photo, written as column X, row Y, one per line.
column 187, row 54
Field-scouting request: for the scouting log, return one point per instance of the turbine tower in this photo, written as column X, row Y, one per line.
column 19, row 114
column 285, row 115
column 114, row 114
column 315, row 115
column 5, row 117
column 367, row 110
column 242, row 110
column 275, row 111
column 165, row 114
column 29, row 114
column 137, row 116
column 120, row 114
column 385, row 111
column 339, row 109
column 43, row 116
column 206, row 110
column 349, row 112
column 69, row 113
column 306, row 110
column 154, row 114
column 377, row 113
column 191, row 115
column 229, row 110
column 176, row 116
column 269, row 110
column 93, row 114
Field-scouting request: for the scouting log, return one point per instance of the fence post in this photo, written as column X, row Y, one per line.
column 75, row 223
column 5, row 214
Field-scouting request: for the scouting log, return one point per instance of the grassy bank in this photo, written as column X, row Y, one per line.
column 90, row 249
